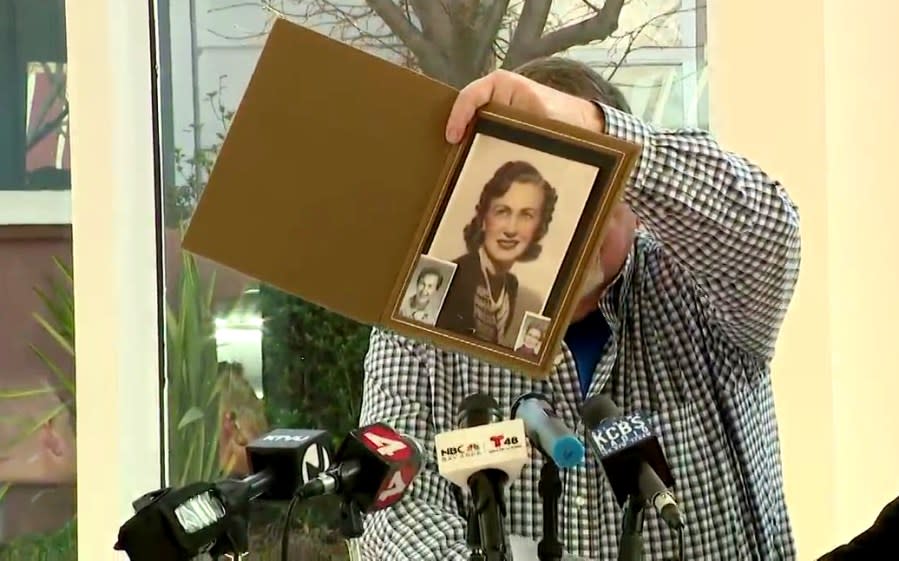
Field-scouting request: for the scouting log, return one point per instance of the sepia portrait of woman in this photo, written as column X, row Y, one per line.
column 511, row 218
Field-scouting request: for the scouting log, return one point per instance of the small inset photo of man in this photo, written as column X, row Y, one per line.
column 427, row 289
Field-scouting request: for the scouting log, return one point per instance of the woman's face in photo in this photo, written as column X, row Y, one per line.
column 532, row 338
column 512, row 221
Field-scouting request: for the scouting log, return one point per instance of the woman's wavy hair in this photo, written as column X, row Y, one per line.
column 497, row 186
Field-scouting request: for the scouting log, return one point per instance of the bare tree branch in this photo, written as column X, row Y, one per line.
column 528, row 30
column 393, row 16
column 232, row 6
column 245, row 37
column 435, row 23
column 455, row 40
column 633, row 37
column 595, row 28
column 488, row 32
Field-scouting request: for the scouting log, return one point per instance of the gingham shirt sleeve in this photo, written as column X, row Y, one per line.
column 722, row 220
column 425, row 523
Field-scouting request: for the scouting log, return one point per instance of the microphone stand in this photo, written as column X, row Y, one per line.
column 550, row 489
column 630, row 547
column 474, row 537
column 351, row 525
column 489, row 508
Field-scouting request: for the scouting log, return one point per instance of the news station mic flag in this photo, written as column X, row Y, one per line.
column 483, row 457
column 294, row 457
column 631, row 457
column 373, row 467
column 179, row 523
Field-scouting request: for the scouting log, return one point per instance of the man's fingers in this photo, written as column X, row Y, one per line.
column 499, row 86
column 472, row 97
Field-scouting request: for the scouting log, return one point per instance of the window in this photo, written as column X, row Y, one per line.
column 269, row 359
column 657, row 58
column 37, row 375
column 35, row 177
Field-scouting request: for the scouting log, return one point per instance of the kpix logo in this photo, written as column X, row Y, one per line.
column 501, row 440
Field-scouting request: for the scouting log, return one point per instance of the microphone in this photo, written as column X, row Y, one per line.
column 485, row 442
column 549, row 435
column 631, row 457
column 283, row 460
column 212, row 518
column 484, row 456
column 546, row 431
column 373, row 468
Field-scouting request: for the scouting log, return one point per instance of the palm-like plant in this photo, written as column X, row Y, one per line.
column 59, row 302
column 192, row 379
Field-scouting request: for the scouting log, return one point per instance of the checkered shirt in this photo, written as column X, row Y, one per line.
column 694, row 315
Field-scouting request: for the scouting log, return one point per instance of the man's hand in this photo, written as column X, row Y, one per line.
column 508, row 88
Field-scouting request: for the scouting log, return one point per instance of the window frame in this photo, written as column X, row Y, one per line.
column 116, row 245
column 119, row 277
column 689, row 58
column 27, row 208
column 21, row 206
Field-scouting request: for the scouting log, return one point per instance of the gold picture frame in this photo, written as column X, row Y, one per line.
column 583, row 179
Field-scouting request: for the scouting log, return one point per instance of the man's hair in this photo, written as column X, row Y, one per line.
column 430, row 271
column 496, row 187
column 574, row 78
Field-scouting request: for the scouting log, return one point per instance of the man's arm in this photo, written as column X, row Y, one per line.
column 721, row 220
column 718, row 217
column 424, row 524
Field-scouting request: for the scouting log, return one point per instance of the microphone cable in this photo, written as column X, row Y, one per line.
column 285, row 531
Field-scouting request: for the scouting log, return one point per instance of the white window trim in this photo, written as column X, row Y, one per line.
column 25, row 208
column 114, row 239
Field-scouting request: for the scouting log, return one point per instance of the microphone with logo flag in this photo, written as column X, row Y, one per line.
column 204, row 517
column 373, row 468
column 635, row 467
column 483, row 456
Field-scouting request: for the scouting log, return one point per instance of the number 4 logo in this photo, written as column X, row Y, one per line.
column 385, row 446
column 396, row 487
column 399, row 483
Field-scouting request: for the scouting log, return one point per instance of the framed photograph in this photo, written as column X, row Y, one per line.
column 530, row 336
column 512, row 228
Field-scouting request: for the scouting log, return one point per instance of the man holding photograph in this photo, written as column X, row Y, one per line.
column 678, row 319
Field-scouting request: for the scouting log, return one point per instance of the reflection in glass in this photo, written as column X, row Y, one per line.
column 245, row 357
column 47, row 148
column 34, row 136
column 37, row 329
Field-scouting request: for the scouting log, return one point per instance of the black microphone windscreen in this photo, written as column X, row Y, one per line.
column 478, row 409
column 598, row 408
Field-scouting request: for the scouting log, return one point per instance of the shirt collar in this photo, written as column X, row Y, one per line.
column 612, row 300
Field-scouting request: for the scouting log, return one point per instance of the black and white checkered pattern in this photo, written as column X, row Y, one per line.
column 694, row 314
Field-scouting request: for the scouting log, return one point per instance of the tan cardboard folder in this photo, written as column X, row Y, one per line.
column 325, row 174
column 329, row 173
